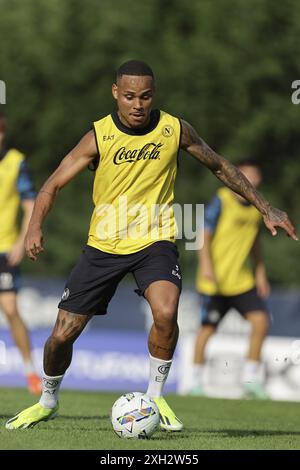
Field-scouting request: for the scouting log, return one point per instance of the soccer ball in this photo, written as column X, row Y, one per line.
column 134, row 416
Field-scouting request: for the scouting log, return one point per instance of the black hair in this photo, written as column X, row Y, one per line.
column 135, row 67
column 249, row 162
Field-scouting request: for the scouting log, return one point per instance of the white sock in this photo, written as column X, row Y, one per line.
column 198, row 372
column 29, row 367
column 159, row 371
column 51, row 386
column 251, row 371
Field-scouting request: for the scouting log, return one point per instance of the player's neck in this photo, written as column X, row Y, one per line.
column 125, row 123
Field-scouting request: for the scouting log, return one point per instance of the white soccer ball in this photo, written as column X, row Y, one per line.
column 134, row 416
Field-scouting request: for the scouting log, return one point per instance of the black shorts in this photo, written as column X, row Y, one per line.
column 215, row 307
column 93, row 281
column 9, row 275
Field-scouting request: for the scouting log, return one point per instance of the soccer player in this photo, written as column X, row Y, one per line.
column 16, row 188
column 137, row 148
column 224, row 279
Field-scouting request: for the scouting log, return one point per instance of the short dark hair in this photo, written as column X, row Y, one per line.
column 135, row 67
column 2, row 115
column 250, row 162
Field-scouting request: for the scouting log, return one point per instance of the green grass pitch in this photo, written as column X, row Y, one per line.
column 83, row 423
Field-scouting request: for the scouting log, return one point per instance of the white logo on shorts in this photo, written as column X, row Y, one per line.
column 214, row 316
column 175, row 272
column 6, row 281
column 65, row 294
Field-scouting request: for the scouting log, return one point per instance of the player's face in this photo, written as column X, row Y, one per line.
column 253, row 174
column 134, row 96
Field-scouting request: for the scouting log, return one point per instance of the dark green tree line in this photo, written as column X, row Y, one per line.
column 224, row 65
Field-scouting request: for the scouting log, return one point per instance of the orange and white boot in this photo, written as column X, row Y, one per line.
column 34, row 384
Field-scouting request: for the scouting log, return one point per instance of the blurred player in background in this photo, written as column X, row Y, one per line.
column 16, row 189
column 137, row 149
column 225, row 280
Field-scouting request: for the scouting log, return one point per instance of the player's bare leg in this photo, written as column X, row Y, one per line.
column 251, row 380
column 58, row 353
column 8, row 304
column 163, row 297
column 259, row 328
column 204, row 334
column 59, row 346
column 57, row 358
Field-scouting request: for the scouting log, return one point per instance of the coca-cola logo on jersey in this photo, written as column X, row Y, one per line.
column 149, row 151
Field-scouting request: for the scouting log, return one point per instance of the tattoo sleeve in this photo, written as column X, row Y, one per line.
column 221, row 168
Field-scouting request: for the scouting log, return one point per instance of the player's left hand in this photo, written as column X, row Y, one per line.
column 277, row 218
column 16, row 254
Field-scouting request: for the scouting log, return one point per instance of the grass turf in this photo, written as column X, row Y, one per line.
column 83, row 423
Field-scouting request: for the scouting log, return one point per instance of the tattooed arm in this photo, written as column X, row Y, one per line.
column 234, row 179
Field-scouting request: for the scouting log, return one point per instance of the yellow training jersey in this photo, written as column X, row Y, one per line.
column 134, row 184
column 235, row 228
column 9, row 198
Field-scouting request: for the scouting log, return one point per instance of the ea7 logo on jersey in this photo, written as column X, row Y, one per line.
column 108, row 137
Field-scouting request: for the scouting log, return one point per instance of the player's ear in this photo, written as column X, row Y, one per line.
column 114, row 90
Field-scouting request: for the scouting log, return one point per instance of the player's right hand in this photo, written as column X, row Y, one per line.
column 34, row 242
column 277, row 218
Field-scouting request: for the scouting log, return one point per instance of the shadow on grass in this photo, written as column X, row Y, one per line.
column 184, row 434
column 243, row 432
column 68, row 417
